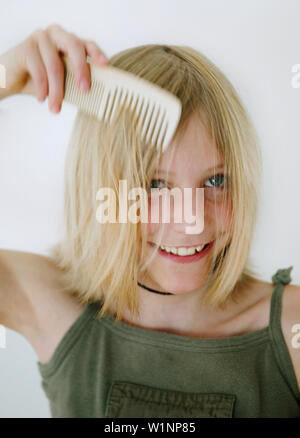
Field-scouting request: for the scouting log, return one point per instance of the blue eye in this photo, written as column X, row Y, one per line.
column 155, row 180
column 217, row 179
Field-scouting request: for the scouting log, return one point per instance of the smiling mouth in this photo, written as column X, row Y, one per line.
column 180, row 246
column 183, row 255
column 182, row 251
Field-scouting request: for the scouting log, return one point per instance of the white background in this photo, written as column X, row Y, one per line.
column 254, row 42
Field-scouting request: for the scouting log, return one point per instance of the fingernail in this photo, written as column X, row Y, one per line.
column 55, row 108
column 84, row 85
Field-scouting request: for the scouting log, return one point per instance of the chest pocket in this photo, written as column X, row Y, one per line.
column 132, row 400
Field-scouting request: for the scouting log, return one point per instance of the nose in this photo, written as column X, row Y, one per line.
column 182, row 209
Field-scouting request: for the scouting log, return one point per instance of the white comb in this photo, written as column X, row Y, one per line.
column 158, row 111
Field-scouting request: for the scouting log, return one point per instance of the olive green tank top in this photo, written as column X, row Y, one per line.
column 104, row 370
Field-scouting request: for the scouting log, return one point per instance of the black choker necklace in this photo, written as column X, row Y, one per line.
column 153, row 290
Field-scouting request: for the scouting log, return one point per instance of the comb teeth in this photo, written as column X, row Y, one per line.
column 89, row 102
column 157, row 111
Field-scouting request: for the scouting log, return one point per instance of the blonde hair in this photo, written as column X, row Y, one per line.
column 103, row 261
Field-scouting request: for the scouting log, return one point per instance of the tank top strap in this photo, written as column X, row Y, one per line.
column 280, row 350
column 279, row 279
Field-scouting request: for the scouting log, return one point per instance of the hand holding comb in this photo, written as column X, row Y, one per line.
column 158, row 110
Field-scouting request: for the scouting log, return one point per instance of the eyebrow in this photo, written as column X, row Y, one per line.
column 219, row 166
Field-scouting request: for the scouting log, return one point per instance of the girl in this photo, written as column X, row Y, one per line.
column 146, row 320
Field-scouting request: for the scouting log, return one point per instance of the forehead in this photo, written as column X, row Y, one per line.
column 191, row 148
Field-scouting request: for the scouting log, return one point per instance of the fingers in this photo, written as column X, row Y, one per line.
column 37, row 70
column 74, row 48
column 77, row 51
column 46, row 66
column 55, row 71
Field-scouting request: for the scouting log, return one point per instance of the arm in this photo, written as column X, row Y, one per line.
column 30, row 301
column 26, row 280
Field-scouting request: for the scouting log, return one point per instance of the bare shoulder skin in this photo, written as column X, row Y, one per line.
column 258, row 315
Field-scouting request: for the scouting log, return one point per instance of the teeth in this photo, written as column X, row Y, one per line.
column 182, row 251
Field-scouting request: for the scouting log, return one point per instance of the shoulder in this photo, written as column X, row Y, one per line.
column 32, row 300
column 290, row 324
column 290, row 316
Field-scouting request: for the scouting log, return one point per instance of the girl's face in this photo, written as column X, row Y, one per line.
column 190, row 165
